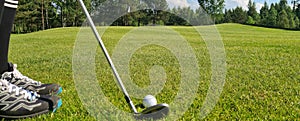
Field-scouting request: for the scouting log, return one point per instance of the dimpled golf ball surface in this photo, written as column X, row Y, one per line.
column 149, row 101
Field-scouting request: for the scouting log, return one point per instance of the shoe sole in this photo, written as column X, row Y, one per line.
column 59, row 104
column 24, row 116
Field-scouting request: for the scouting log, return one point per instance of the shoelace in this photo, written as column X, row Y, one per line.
column 5, row 85
column 17, row 74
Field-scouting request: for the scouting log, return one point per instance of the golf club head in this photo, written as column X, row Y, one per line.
column 154, row 112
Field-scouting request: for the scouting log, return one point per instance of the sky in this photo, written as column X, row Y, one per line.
column 243, row 3
column 228, row 3
column 183, row 3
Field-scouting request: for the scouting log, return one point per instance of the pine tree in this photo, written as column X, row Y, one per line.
column 297, row 23
column 283, row 5
column 272, row 17
column 297, row 11
column 251, row 9
column 283, row 20
column 291, row 19
column 228, row 16
column 277, row 7
column 292, row 23
column 239, row 15
column 264, row 12
column 252, row 12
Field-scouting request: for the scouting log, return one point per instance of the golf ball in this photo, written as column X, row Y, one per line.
column 149, row 101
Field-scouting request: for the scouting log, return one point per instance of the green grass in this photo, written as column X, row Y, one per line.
column 262, row 81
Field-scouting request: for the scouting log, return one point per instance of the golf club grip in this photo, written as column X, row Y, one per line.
column 93, row 27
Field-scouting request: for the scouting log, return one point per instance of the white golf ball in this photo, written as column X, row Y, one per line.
column 149, row 101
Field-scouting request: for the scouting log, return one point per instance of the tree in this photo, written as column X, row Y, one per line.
column 252, row 12
column 213, row 7
column 47, row 9
column 43, row 18
column 297, row 23
column 28, row 18
column 239, row 15
column 251, row 9
column 257, row 18
column 124, row 12
column 69, row 11
column 264, row 12
column 250, row 20
column 277, row 7
column 272, row 17
column 52, row 17
column 292, row 23
column 283, row 20
column 43, row 14
column 228, row 16
column 283, row 5
column 158, row 6
column 297, row 11
column 291, row 18
column 295, row 2
column 186, row 13
column 202, row 17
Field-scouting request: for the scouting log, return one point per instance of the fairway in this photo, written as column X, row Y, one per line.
column 262, row 80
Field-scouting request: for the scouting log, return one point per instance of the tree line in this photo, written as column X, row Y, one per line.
column 46, row 14
column 278, row 15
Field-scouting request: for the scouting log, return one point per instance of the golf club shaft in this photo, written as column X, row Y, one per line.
column 117, row 76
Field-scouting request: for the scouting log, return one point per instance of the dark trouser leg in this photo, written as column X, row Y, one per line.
column 7, row 14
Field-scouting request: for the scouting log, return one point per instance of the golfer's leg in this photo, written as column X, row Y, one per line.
column 7, row 14
column 1, row 9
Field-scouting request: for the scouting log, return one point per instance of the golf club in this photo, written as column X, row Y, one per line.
column 153, row 112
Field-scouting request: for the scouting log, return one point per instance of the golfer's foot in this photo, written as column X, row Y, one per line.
column 16, row 102
column 15, row 77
